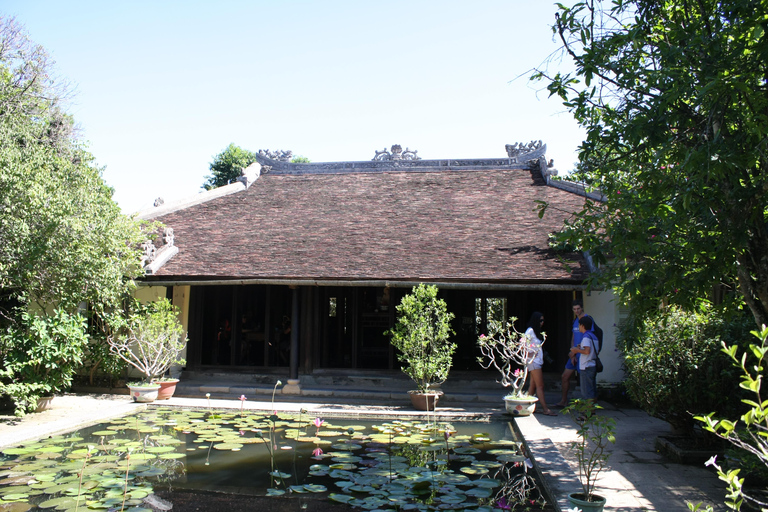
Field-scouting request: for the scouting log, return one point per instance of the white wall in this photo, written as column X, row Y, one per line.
column 605, row 310
column 146, row 294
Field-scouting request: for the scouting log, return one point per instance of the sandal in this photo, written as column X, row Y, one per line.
column 548, row 412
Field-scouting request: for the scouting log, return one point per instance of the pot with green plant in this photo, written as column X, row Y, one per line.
column 510, row 352
column 422, row 337
column 150, row 339
column 594, row 434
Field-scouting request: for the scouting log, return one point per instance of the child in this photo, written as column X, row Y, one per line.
column 587, row 349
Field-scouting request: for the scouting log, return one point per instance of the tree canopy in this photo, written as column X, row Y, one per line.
column 227, row 166
column 674, row 99
column 63, row 239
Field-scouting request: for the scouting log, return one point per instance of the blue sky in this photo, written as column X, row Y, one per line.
column 161, row 87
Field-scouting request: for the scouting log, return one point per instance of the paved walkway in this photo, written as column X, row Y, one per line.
column 638, row 479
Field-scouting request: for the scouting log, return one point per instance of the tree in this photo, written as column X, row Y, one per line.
column 674, row 99
column 227, row 166
column 63, row 239
column 150, row 339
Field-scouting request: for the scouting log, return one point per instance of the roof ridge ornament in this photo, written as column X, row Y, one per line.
column 396, row 154
column 521, row 148
column 279, row 155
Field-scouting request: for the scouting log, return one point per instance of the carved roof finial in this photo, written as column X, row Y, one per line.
column 396, row 154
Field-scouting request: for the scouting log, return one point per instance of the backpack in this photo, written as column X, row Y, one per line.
column 598, row 334
column 597, row 337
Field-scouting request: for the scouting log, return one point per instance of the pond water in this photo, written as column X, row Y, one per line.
column 375, row 465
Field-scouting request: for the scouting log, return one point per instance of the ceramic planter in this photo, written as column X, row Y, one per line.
column 425, row 401
column 577, row 500
column 520, row 406
column 44, row 403
column 144, row 394
column 167, row 388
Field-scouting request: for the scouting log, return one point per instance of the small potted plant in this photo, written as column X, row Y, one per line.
column 595, row 432
column 510, row 352
column 151, row 340
column 422, row 337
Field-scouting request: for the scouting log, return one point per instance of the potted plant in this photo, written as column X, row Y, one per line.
column 151, row 340
column 595, row 432
column 510, row 352
column 422, row 337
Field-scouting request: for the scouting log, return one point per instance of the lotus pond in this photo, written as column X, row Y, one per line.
column 383, row 465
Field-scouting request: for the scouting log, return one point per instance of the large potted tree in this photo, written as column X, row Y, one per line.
column 422, row 338
column 151, row 340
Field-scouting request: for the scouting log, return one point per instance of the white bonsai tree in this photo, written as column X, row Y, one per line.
column 510, row 352
column 150, row 339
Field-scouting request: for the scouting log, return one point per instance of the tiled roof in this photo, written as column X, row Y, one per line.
column 473, row 226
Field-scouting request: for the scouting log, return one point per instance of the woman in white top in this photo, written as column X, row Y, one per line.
column 536, row 361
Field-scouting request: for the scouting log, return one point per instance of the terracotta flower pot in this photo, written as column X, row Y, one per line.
column 167, row 388
column 425, row 401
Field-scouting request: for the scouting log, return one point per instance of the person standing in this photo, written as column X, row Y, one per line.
column 587, row 351
column 573, row 358
column 536, row 358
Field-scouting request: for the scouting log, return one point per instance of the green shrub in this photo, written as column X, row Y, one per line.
column 422, row 336
column 40, row 354
column 676, row 369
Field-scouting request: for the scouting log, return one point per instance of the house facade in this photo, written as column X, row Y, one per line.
column 297, row 269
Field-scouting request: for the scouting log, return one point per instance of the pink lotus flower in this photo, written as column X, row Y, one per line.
column 318, row 422
column 317, row 452
column 242, row 402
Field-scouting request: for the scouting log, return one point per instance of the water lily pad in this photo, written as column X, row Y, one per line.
column 480, row 492
column 467, row 450
column 328, row 433
column 453, row 499
column 228, row 446
column 346, row 446
column 511, row 457
column 341, row 498
column 17, row 451
column 160, row 449
column 17, row 506
column 275, row 492
column 474, row 470
column 65, row 501
column 15, row 496
column 344, row 466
